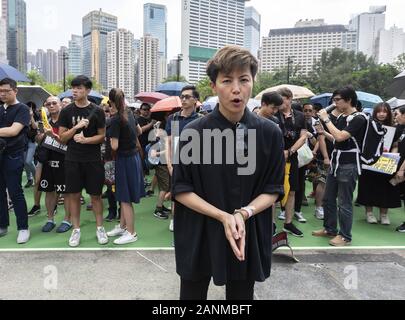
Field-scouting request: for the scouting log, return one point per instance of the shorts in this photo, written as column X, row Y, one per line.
column 53, row 177
column 163, row 177
column 322, row 173
column 84, row 175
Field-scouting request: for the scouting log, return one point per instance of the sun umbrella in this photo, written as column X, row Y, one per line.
column 35, row 94
column 298, row 92
column 322, row 99
column 396, row 103
column 7, row 71
column 94, row 96
column 397, row 88
column 164, row 107
column 151, row 97
column 368, row 100
column 171, row 88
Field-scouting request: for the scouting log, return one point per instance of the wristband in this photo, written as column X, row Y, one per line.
column 249, row 210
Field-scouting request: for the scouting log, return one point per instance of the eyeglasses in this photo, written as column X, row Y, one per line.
column 5, row 90
column 186, row 97
column 53, row 103
column 337, row 99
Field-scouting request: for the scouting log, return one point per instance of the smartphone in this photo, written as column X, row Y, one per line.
column 41, row 127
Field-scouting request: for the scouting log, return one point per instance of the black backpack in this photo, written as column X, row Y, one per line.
column 373, row 143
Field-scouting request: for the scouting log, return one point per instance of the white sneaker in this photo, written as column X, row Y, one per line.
column 116, row 232
column 319, row 214
column 281, row 216
column 74, row 240
column 23, row 236
column 371, row 219
column 300, row 217
column 126, row 238
column 171, row 226
column 102, row 236
column 385, row 221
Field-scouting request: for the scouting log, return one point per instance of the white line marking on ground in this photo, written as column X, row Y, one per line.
column 160, row 267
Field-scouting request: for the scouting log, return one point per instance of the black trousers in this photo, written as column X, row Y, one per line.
column 300, row 193
column 198, row 290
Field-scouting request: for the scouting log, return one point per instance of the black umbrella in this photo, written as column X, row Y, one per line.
column 397, row 88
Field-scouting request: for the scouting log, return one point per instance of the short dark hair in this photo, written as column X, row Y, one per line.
column 231, row 58
column 401, row 109
column 82, row 81
column 147, row 105
column 297, row 106
column 286, row 92
column 273, row 98
column 196, row 94
column 347, row 93
column 318, row 106
column 8, row 81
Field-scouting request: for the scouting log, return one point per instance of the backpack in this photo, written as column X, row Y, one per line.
column 373, row 143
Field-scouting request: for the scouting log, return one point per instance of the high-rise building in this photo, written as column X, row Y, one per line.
column 155, row 24
column 148, row 64
column 3, row 41
column 75, row 55
column 31, row 61
column 368, row 26
column 40, row 62
column 63, row 63
column 208, row 25
column 252, row 30
column 172, row 68
column 121, row 62
column 96, row 25
column 137, row 48
column 391, row 45
column 301, row 46
column 14, row 11
column 51, row 66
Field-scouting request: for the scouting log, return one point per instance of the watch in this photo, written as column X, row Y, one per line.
column 326, row 121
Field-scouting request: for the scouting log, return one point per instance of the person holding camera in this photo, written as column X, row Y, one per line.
column 14, row 121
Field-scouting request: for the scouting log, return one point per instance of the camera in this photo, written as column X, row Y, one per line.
column 290, row 135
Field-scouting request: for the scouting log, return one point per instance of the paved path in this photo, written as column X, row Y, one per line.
column 321, row 275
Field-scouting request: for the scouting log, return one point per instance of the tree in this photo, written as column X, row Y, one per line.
column 204, row 88
column 36, row 78
column 174, row 79
column 400, row 62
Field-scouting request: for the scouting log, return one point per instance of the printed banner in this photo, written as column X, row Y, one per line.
column 387, row 164
column 51, row 144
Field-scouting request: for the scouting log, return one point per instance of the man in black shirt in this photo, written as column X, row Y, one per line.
column 345, row 167
column 14, row 121
column 146, row 123
column 292, row 124
column 271, row 101
column 82, row 129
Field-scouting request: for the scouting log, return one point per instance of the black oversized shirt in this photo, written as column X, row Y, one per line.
column 202, row 249
column 70, row 117
column 18, row 113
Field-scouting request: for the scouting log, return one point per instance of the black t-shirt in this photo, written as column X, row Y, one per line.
column 400, row 138
column 71, row 116
column 357, row 128
column 291, row 127
column 143, row 138
column 19, row 113
column 125, row 133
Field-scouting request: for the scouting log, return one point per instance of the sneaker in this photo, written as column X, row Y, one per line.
column 319, row 213
column 323, row 233
column 370, row 218
column 292, row 229
column 89, row 207
column 3, row 232
column 34, row 211
column 64, row 227
column 384, row 220
column 82, row 202
column 126, row 238
column 281, row 216
column 300, row 217
column 160, row 214
column 29, row 184
column 150, row 193
column 171, row 226
column 102, row 237
column 305, row 202
column 116, row 232
column 339, row 241
column 167, row 210
column 401, row 228
column 48, row 227
column 23, row 236
column 61, row 201
column 74, row 240
column 111, row 216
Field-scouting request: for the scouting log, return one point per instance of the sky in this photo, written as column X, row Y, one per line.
column 50, row 23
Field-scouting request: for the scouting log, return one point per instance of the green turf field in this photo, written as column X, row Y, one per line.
column 154, row 233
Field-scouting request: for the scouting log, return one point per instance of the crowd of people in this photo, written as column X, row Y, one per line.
column 223, row 221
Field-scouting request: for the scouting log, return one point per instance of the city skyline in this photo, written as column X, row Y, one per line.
column 45, row 16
